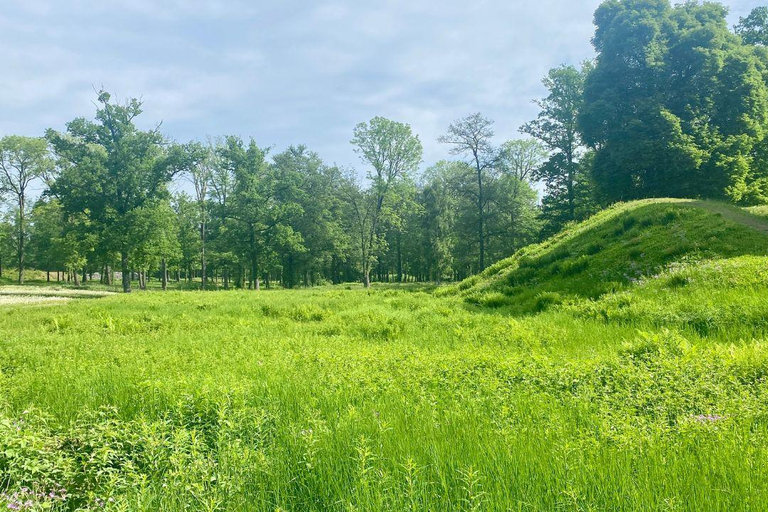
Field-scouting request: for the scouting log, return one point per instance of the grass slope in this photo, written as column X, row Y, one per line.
column 653, row 397
column 614, row 249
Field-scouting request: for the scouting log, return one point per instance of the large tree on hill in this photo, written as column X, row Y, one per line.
column 393, row 152
column 556, row 127
column 22, row 161
column 110, row 170
column 676, row 104
column 471, row 136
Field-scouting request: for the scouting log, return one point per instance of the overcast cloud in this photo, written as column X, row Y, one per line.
column 289, row 72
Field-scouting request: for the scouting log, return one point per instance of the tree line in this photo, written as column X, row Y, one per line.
column 674, row 104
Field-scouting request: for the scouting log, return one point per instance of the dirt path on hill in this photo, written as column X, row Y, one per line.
column 735, row 214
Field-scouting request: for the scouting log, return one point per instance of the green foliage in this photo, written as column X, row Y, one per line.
column 753, row 28
column 110, row 171
column 615, row 249
column 676, row 104
column 567, row 171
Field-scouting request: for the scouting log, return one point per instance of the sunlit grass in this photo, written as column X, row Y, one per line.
column 651, row 398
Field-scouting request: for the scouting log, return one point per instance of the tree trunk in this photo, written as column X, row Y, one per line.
column 480, row 216
column 399, row 257
column 21, row 239
column 202, row 253
column 126, row 272
column 367, row 278
column 164, row 272
column 76, row 276
column 47, row 276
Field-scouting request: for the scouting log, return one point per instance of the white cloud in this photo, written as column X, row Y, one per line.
column 289, row 72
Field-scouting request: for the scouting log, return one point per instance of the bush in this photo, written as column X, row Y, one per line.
column 546, row 300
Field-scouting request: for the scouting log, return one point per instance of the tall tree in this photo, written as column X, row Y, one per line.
column 393, row 152
column 22, row 161
column 263, row 220
column 439, row 202
column 515, row 198
column 198, row 166
column 305, row 180
column 556, row 127
column 472, row 136
column 110, row 169
column 675, row 105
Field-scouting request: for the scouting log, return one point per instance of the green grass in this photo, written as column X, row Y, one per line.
column 651, row 398
column 613, row 250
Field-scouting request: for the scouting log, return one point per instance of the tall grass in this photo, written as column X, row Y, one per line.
column 653, row 397
column 393, row 400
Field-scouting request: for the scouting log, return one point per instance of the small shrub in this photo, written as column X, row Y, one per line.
column 594, row 248
column 526, row 262
column 670, row 216
column 494, row 300
column 677, row 250
column 270, row 311
column 308, row 313
column 677, row 281
column 521, row 276
column 546, row 300
column 571, row 268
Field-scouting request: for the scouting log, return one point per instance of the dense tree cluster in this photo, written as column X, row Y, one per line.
column 675, row 104
column 250, row 218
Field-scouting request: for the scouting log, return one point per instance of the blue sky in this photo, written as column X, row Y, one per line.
column 289, row 72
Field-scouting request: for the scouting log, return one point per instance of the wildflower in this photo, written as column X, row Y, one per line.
column 708, row 418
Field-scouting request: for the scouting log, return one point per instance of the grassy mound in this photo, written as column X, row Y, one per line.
column 614, row 249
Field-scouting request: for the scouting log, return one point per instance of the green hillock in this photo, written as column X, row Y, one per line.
column 616, row 248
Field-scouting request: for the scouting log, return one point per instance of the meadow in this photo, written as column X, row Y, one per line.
column 633, row 382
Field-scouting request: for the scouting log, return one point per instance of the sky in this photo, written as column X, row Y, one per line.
column 289, row 72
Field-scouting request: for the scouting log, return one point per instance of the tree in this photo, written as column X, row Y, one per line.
column 556, row 127
column 393, row 152
column 514, row 197
column 304, row 180
column 262, row 219
column 472, row 136
column 198, row 165
column 187, row 231
column 676, row 104
column 754, row 28
column 439, row 202
column 158, row 237
column 22, row 161
column 110, row 170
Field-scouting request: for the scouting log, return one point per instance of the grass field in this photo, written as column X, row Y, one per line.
column 650, row 393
